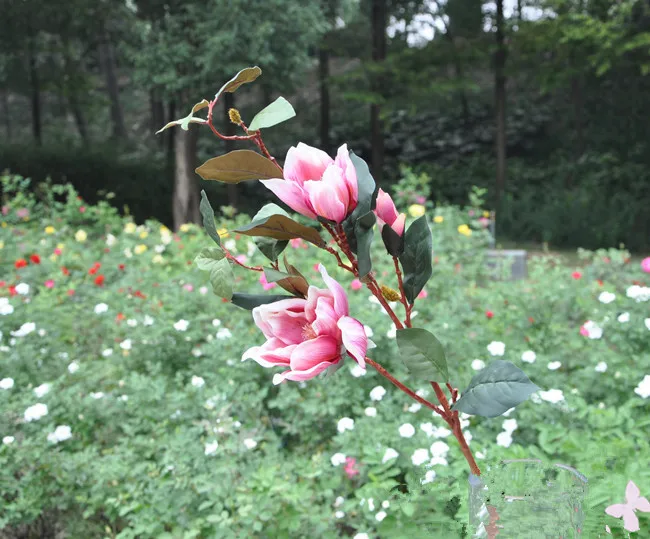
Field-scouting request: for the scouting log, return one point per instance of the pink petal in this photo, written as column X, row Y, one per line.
column 313, row 295
column 325, row 201
column 607, row 529
column 299, row 376
column 310, row 353
column 617, row 510
column 325, row 323
column 398, row 224
column 305, row 163
column 354, row 339
column 632, row 492
column 292, row 194
column 630, row 521
column 272, row 353
column 340, row 298
column 333, row 179
column 385, row 207
column 288, row 327
column 344, row 162
column 262, row 313
column 642, row 504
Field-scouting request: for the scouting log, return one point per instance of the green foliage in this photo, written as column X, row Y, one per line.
column 422, row 354
column 416, row 258
column 277, row 112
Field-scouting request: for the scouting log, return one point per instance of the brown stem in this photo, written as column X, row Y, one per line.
column 407, row 307
column 232, row 258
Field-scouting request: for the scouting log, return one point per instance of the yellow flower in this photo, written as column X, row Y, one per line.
column 438, row 219
column 416, row 210
column 139, row 249
column 144, row 234
column 486, row 214
column 2, row 244
column 60, row 246
column 50, row 230
column 158, row 259
column 4, row 225
column 129, row 228
column 223, row 232
column 185, row 227
column 164, row 231
column 81, row 235
column 53, row 257
column 465, row 230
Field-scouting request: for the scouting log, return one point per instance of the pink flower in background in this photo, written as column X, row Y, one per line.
column 633, row 502
column 387, row 213
column 645, row 264
column 5, row 210
column 57, row 251
column 22, row 213
column 241, row 259
column 298, row 243
column 188, row 287
column 49, row 283
column 584, row 331
column 485, row 222
column 420, row 199
column 356, row 284
column 350, row 467
column 265, row 284
column 317, row 185
column 82, row 209
column 471, row 213
column 307, row 336
column 423, row 294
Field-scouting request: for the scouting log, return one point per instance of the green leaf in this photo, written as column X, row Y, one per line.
column 270, row 247
column 281, row 227
column 495, row 389
column 189, row 119
column 208, row 257
column 250, row 301
column 238, row 166
column 366, row 189
column 363, row 232
column 416, row 258
column 207, row 213
column 246, row 75
column 277, row 112
column 295, row 284
column 393, row 242
column 221, row 277
column 423, row 354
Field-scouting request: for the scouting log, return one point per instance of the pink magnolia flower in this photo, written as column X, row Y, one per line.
column 423, row 294
column 49, row 283
column 307, row 336
column 633, row 502
column 645, row 264
column 265, row 284
column 356, row 284
column 317, row 185
column 387, row 213
column 350, row 467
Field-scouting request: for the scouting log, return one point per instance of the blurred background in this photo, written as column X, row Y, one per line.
column 542, row 103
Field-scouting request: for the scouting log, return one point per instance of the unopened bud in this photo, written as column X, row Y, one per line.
column 389, row 294
column 234, row 116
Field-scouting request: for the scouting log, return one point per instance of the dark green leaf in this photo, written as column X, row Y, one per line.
column 416, row 258
column 208, row 257
column 494, row 390
column 393, row 242
column 221, row 277
column 207, row 213
column 281, row 227
column 366, row 186
column 238, row 166
column 270, row 247
column 363, row 232
column 422, row 354
column 278, row 111
column 250, row 301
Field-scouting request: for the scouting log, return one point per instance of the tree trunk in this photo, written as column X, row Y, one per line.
column 157, row 111
column 79, row 118
column 228, row 103
column 34, row 85
column 186, row 196
column 5, row 113
column 323, row 79
column 108, row 66
column 500, row 106
column 378, row 21
column 169, row 137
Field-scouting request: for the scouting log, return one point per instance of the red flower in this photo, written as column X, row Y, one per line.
column 576, row 275
column 20, row 263
column 489, row 314
column 121, row 266
column 92, row 270
column 99, row 280
column 12, row 291
column 35, row 259
column 531, row 319
column 65, row 270
column 71, row 292
column 120, row 317
column 139, row 294
column 82, row 209
column 599, row 282
column 2, row 284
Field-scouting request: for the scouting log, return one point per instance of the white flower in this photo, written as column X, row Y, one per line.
column 552, row 395
column 529, row 356
column 22, row 289
column 5, row 307
column 181, row 325
column 109, row 351
column 419, row 457
column 594, row 331
column 554, row 365
column 361, row 536
column 96, row 396
column 60, row 434
column 638, row 293
column 339, row 514
column 35, row 412
column 480, row 455
column 392, row 332
column 606, row 297
column 381, row 515
column 368, row 330
column 370, row 411
column 42, row 333
column 203, row 290
column 415, row 407
column 504, row 439
column 224, row 333
column 216, row 322
column 643, row 389
column 6, row 383
column 508, row 412
column 125, row 344
column 496, row 348
column 442, row 461
column 124, row 398
column 439, row 449
column 468, row 436
column 442, row 432
column 42, row 390
column 197, row 381
column 478, row 364
column 377, row 393
column 428, row 477
column 159, row 249
column 345, row 423
column 211, row 448
column 110, row 240
column 647, row 323
column 337, row 459
column 371, row 504
column 601, row 367
column 406, row 430
column 131, row 322
column 357, row 371
column 250, row 443
column 148, row 321
column 7, row 440
column 509, row 425
column 231, row 245
column 340, row 500
column 624, row 317
column 25, row 329
column 101, row 308
column 389, row 454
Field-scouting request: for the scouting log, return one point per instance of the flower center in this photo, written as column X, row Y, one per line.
column 308, row 332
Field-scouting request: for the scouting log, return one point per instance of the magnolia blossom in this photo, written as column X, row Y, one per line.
column 345, row 423
column 406, row 430
column 35, row 412
column 496, row 348
column 315, row 185
column 606, row 297
column 60, row 434
column 643, row 389
column 387, row 213
column 308, row 336
column 389, row 455
column 529, row 356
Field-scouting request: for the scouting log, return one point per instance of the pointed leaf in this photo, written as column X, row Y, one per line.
column 246, row 75
column 281, row 227
column 270, row 247
column 221, row 277
column 238, row 166
column 393, row 242
column 207, row 214
column 189, row 119
column 366, row 189
column 208, row 257
column 250, row 301
column 277, row 112
column 423, row 354
column 495, row 389
column 416, row 258
column 363, row 232
column 296, row 285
